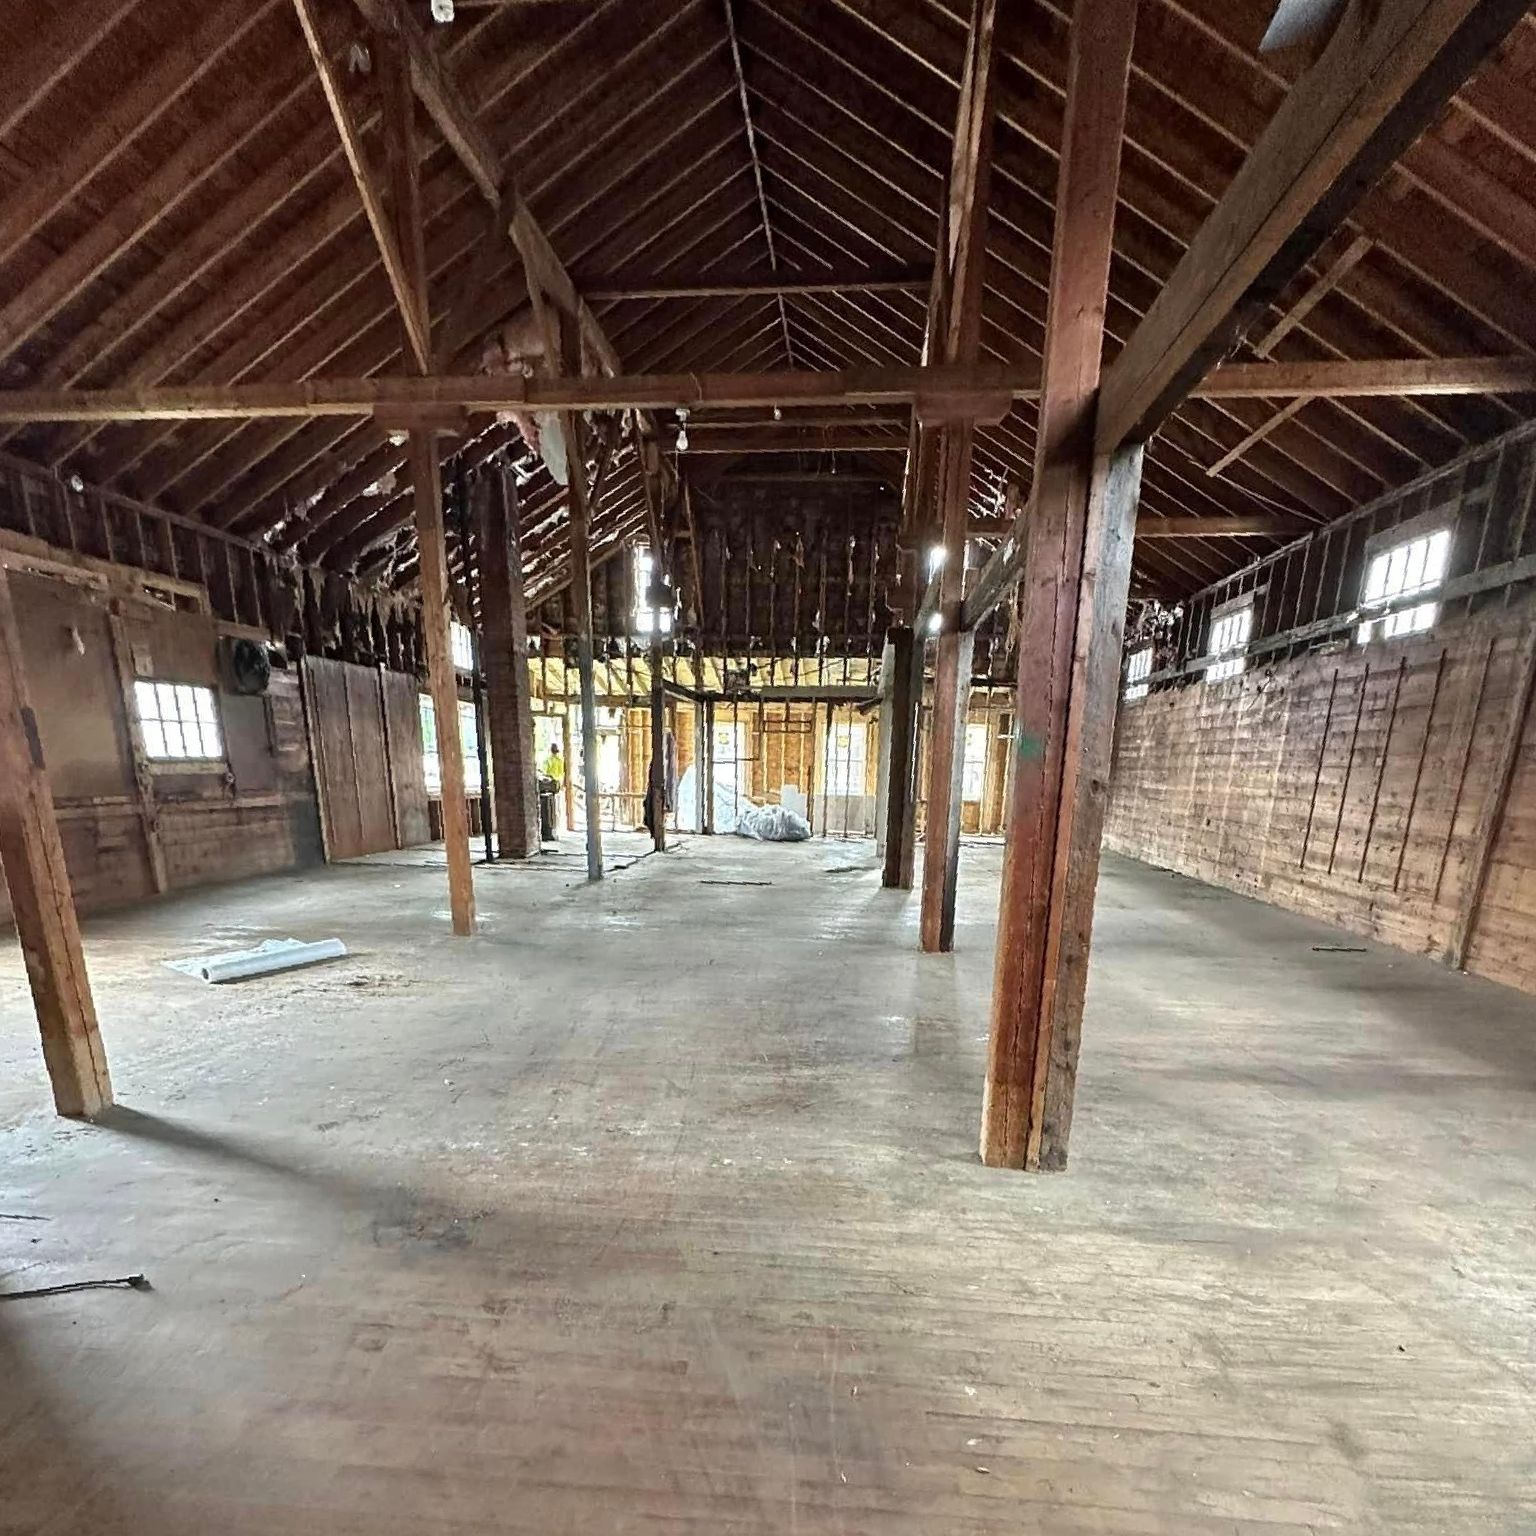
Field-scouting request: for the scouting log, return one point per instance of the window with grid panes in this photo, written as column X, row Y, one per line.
column 178, row 721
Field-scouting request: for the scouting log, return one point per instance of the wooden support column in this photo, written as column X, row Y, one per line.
column 442, row 684
column 707, row 767
column 901, row 787
column 504, row 618
column 951, row 701
column 941, row 835
column 41, row 900
column 581, row 604
column 1076, row 581
column 883, row 765
column 568, row 788
column 1051, row 860
column 656, row 788
column 955, row 318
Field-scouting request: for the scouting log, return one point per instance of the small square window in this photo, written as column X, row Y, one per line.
column 1405, row 569
column 179, row 722
column 1137, row 670
column 462, row 645
column 1230, row 629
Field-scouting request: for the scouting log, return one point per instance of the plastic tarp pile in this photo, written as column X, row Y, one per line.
column 734, row 812
column 772, row 824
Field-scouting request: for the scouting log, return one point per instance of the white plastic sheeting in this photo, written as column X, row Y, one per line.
column 772, row 824
column 273, row 955
column 734, row 812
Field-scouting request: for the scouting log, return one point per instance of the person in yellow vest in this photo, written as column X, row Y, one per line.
column 553, row 766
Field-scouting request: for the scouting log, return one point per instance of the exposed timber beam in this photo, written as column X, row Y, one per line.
column 1076, row 577
column 954, row 337
column 413, row 312
column 958, row 389
column 42, row 903
column 1269, row 525
column 755, row 285
column 436, row 610
column 757, row 172
column 1334, row 274
column 440, row 95
column 1259, row 433
column 1388, row 70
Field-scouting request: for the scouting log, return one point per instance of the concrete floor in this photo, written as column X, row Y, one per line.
column 656, row 1209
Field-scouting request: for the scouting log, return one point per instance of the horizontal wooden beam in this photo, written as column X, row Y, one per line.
column 752, row 285
column 1269, row 525
column 951, row 389
column 789, row 439
column 1411, row 376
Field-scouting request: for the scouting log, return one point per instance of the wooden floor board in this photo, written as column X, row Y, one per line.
column 656, row 1209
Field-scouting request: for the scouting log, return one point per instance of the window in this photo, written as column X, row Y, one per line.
column 469, row 745
column 462, row 644
column 648, row 618
column 1137, row 670
column 973, row 767
column 1410, row 566
column 179, row 722
column 845, row 758
column 1230, row 629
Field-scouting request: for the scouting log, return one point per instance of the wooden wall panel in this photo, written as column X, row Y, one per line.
column 368, row 763
column 257, row 818
column 1352, row 786
column 407, row 775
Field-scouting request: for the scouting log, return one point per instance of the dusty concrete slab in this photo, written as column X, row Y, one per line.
column 656, row 1208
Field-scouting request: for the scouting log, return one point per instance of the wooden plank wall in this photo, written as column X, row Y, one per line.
column 407, row 772
column 366, row 736
column 1353, row 787
column 254, row 817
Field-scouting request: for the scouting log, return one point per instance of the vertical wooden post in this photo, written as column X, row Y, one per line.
column 441, row 682
column 474, row 587
column 581, row 602
column 1076, row 581
column 955, row 335
column 901, row 790
column 951, row 701
column 1051, row 862
column 707, row 761
column 657, row 786
column 883, row 763
column 42, row 903
column 504, row 617
column 568, row 789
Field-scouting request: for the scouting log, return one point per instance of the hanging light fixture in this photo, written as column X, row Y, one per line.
column 682, row 430
column 442, row 10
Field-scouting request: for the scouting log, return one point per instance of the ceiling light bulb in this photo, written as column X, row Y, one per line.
column 682, row 439
column 935, row 624
column 935, row 558
column 76, row 484
column 442, row 10
column 398, row 438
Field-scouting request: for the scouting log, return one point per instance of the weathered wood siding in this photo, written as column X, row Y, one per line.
column 1353, row 787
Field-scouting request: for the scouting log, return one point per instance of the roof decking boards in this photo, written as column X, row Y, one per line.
column 201, row 226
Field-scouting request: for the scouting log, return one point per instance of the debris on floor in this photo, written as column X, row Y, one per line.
column 1338, row 949
column 273, row 955
column 735, row 882
column 130, row 1282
